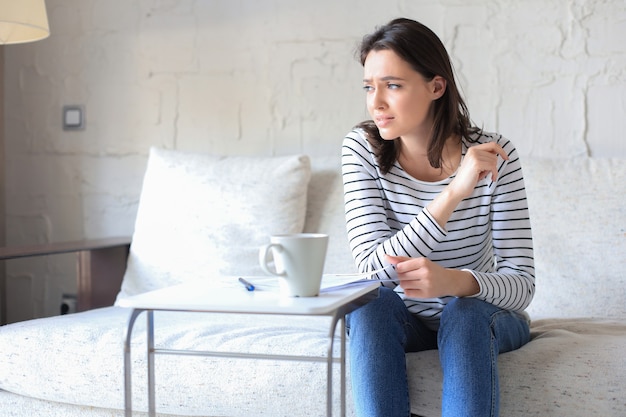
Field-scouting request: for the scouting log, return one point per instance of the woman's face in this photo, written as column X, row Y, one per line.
column 398, row 97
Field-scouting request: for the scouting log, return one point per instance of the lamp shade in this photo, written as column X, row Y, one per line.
column 23, row 21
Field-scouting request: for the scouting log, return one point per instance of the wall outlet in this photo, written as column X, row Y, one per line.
column 68, row 304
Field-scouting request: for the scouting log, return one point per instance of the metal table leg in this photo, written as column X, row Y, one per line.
column 151, row 382
column 342, row 364
column 128, row 406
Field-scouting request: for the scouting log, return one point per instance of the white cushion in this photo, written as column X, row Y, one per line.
column 201, row 215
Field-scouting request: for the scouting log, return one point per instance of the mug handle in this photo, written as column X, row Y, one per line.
column 264, row 252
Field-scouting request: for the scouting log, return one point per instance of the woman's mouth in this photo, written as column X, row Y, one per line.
column 383, row 121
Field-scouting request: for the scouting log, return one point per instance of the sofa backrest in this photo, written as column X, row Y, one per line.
column 578, row 215
column 325, row 212
column 577, row 208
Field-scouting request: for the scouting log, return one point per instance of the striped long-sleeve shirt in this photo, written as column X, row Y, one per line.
column 488, row 234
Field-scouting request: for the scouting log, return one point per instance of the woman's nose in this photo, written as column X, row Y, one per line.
column 377, row 100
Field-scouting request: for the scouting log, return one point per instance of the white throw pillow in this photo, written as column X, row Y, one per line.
column 200, row 215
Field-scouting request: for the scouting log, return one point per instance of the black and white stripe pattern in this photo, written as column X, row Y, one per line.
column 488, row 234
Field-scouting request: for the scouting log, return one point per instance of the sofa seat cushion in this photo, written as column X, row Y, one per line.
column 21, row 406
column 78, row 359
column 571, row 367
column 201, row 215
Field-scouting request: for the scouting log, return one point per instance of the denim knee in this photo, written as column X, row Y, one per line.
column 464, row 318
column 467, row 318
column 467, row 309
column 377, row 311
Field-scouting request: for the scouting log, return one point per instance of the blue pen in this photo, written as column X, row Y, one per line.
column 247, row 284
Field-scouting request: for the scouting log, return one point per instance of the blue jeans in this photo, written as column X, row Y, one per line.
column 471, row 335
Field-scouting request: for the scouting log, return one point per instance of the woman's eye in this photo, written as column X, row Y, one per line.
column 367, row 88
column 393, row 86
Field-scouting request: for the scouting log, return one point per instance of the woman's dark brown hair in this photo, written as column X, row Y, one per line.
column 424, row 51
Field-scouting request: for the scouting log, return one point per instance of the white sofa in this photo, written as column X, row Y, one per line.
column 72, row 365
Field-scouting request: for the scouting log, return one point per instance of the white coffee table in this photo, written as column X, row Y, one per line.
column 203, row 297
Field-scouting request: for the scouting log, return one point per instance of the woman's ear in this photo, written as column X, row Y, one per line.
column 438, row 84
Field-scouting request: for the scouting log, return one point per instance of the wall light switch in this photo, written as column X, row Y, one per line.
column 73, row 117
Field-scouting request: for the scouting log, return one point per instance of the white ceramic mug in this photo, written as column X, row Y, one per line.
column 298, row 262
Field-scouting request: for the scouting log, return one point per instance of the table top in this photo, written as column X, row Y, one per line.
column 227, row 295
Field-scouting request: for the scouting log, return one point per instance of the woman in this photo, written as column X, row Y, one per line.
column 443, row 206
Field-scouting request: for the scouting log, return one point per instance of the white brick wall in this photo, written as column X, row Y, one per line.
column 269, row 77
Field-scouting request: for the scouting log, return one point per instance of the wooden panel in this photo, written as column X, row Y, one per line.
column 3, row 303
column 100, row 273
column 100, row 268
column 42, row 249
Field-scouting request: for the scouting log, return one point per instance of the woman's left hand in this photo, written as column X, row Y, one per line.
column 479, row 162
column 423, row 278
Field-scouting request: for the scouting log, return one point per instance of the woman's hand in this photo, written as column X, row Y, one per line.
column 479, row 161
column 423, row 278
